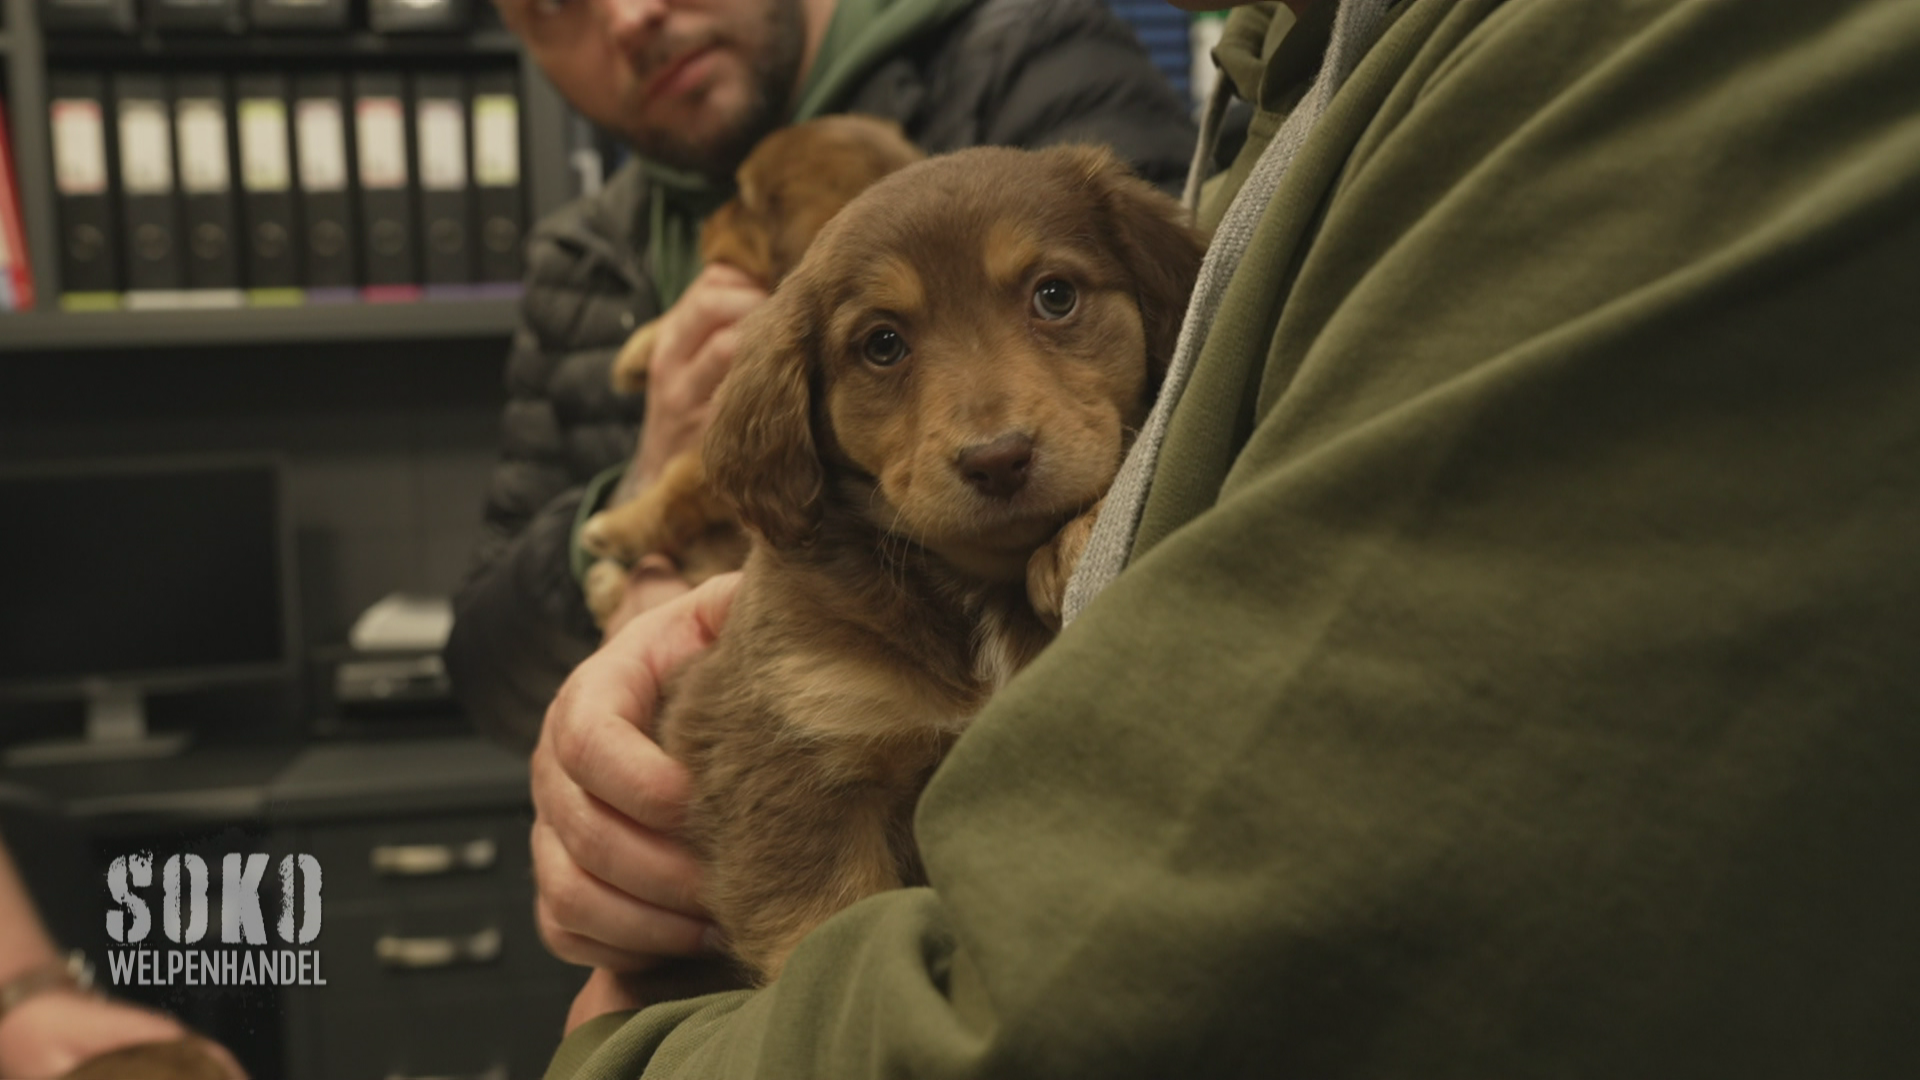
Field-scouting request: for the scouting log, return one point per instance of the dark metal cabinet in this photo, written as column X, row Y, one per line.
column 432, row 962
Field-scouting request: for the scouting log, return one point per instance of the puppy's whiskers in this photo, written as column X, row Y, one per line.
column 896, row 530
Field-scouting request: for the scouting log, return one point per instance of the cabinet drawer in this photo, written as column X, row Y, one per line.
column 424, row 859
column 421, row 952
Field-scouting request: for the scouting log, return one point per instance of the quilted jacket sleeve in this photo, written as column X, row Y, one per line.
column 520, row 621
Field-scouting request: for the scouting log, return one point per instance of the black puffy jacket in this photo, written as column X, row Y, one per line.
column 1011, row 72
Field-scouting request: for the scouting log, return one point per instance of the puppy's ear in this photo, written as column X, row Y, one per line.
column 759, row 451
column 1153, row 237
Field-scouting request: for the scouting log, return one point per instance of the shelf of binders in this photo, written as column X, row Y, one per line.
column 178, row 190
column 56, row 331
column 254, row 183
column 365, row 44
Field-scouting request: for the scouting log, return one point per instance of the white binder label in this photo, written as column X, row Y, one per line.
column 443, row 144
column 264, row 162
column 496, row 140
column 203, row 145
column 146, row 148
column 79, row 147
column 382, row 126
column 322, row 134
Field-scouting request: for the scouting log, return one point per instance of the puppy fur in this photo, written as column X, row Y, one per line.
column 792, row 183
column 911, row 421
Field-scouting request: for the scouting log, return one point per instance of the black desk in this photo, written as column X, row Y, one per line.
column 432, row 963
column 271, row 784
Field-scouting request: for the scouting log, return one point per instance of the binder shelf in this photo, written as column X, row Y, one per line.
column 279, row 46
column 199, row 172
column 49, row 331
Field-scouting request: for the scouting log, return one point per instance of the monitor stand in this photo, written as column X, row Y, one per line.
column 116, row 731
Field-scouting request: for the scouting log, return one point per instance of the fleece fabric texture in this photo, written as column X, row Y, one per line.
column 1352, row 26
column 1516, row 673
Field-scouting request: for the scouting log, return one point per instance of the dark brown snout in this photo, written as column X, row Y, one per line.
column 999, row 468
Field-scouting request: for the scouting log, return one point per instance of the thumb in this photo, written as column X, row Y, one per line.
column 712, row 602
column 675, row 631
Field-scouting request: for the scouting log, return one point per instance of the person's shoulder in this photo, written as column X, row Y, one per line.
column 608, row 215
column 593, row 229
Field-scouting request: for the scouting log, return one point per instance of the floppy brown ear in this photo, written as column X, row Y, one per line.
column 1155, row 240
column 759, row 451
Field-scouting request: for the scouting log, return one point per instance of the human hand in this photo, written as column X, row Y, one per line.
column 652, row 582
column 615, row 890
column 694, row 345
column 604, row 992
column 50, row 1033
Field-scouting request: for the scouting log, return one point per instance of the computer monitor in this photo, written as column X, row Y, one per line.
column 129, row 577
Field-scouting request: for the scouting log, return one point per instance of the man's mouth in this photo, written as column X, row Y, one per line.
column 679, row 74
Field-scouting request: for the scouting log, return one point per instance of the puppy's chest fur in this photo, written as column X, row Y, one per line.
column 843, row 675
column 895, row 651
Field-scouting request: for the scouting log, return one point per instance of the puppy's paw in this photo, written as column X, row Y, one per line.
column 1050, row 568
column 605, row 587
column 600, row 536
column 630, row 367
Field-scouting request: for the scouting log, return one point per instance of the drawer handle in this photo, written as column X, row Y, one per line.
column 414, row 953
column 421, row 860
column 497, row 1072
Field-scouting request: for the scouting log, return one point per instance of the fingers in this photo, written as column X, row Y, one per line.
column 680, row 407
column 612, row 892
column 711, row 363
column 693, row 349
column 602, row 994
column 615, row 889
column 690, row 354
column 652, row 582
column 617, row 847
column 585, row 920
column 601, row 754
column 668, row 635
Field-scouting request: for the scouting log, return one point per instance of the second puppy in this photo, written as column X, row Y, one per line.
column 916, row 423
column 792, row 183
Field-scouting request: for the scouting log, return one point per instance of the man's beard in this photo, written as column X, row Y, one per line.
column 769, row 97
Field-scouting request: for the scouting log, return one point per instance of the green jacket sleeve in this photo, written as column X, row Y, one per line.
column 1518, row 678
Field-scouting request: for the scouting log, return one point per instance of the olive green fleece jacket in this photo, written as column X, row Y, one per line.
column 1519, row 670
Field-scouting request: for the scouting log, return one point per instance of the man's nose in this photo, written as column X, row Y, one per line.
column 631, row 24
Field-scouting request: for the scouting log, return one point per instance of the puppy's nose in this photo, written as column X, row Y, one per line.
column 999, row 468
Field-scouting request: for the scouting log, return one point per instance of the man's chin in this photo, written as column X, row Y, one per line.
column 708, row 130
column 716, row 157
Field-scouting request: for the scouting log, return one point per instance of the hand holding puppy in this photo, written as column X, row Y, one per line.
column 693, row 347
column 679, row 360
column 615, row 889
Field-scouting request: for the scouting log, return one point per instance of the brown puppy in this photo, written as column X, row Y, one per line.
column 951, row 376
column 789, row 186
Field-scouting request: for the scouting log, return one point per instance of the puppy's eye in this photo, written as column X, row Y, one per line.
column 1054, row 299
column 885, row 347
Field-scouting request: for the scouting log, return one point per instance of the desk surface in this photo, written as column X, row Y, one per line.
column 283, row 783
